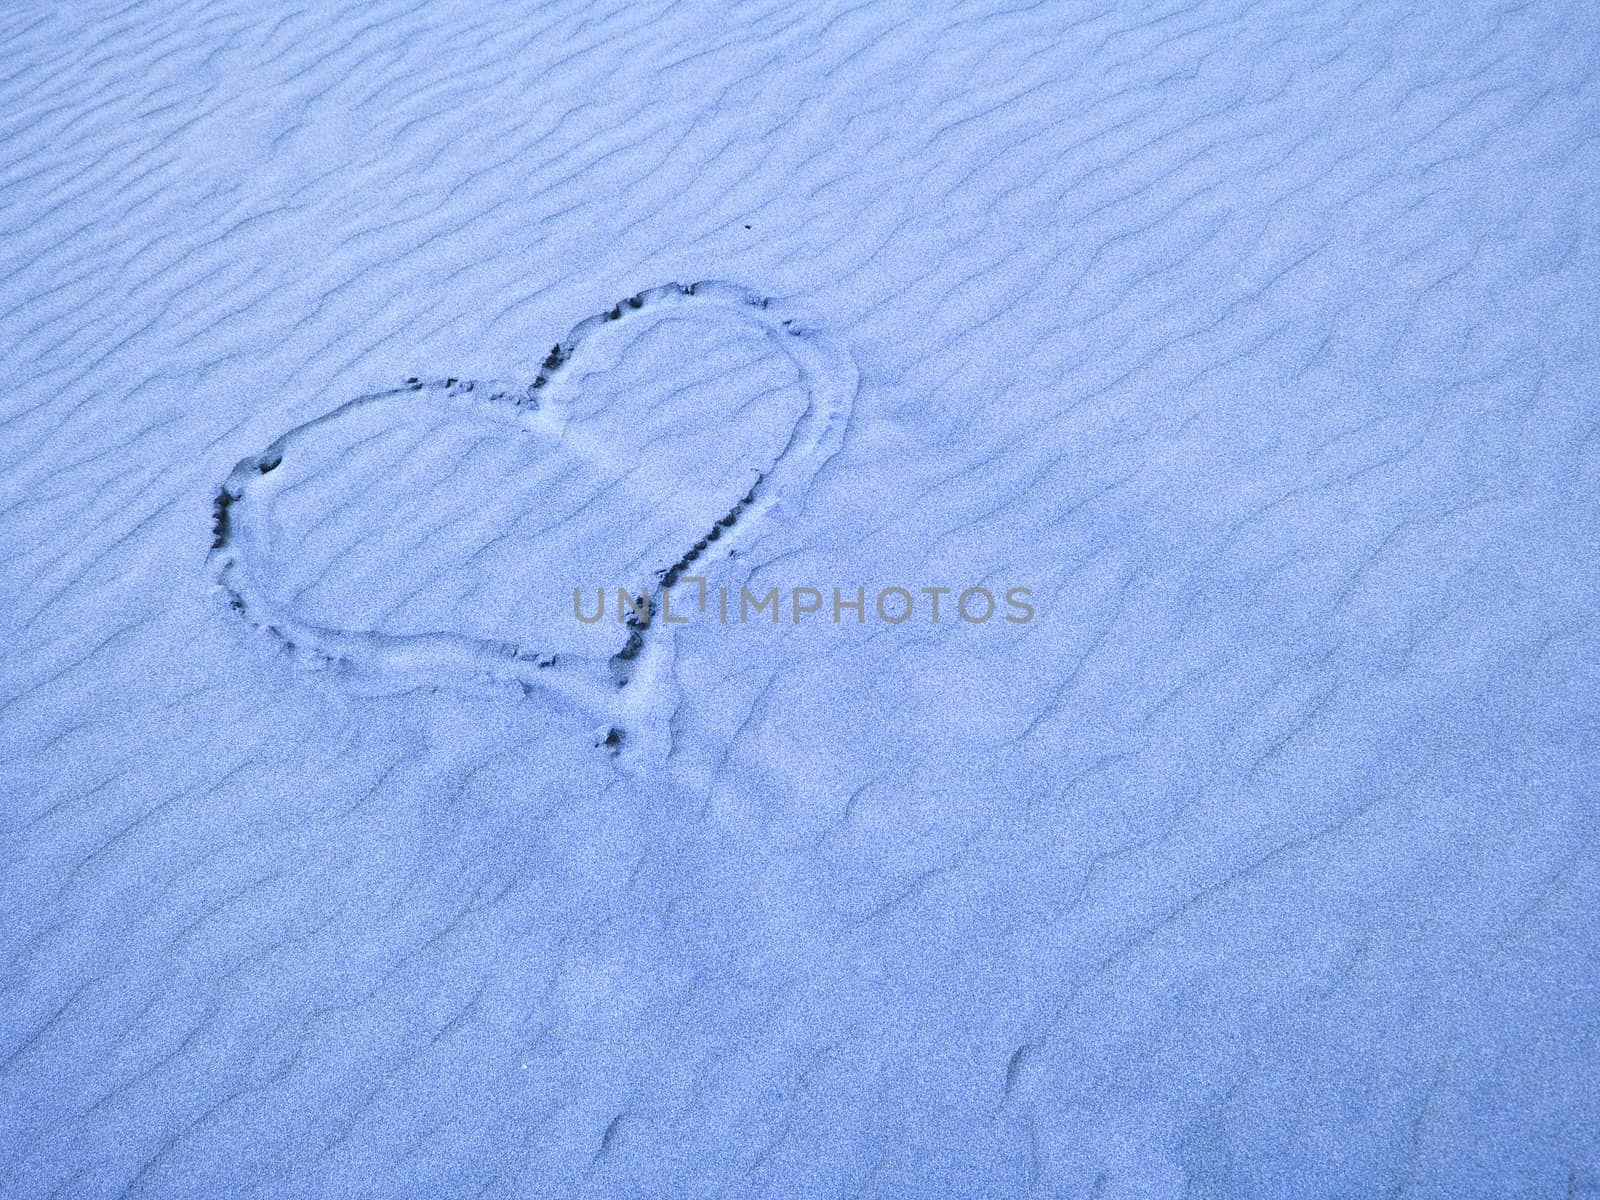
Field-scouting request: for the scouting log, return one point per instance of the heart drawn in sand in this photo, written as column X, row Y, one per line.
column 434, row 534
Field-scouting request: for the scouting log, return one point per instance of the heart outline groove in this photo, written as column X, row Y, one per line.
column 615, row 692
